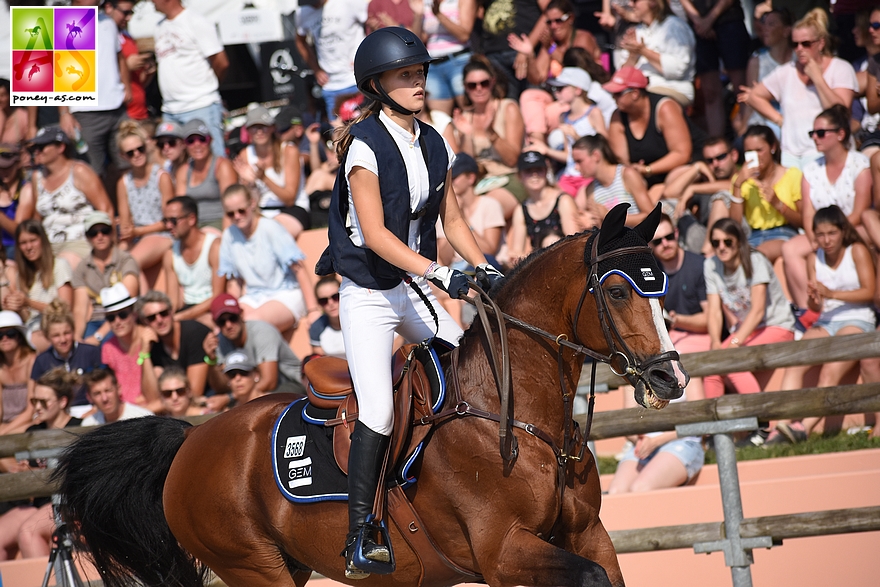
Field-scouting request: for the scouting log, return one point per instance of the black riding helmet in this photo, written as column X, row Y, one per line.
column 383, row 50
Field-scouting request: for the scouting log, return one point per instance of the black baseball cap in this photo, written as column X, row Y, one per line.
column 530, row 160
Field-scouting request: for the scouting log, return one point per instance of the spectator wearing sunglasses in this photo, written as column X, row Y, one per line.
column 744, row 295
column 813, row 81
column 177, row 397
column 206, row 174
column 193, row 263
column 325, row 334
column 67, row 191
column 167, row 342
column 259, row 254
column 278, row 367
column 141, row 194
column 701, row 191
column 686, row 295
column 106, row 266
column 243, row 378
column 840, row 177
column 141, row 64
column 171, row 147
column 121, row 351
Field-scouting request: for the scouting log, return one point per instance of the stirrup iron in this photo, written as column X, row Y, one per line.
column 370, row 565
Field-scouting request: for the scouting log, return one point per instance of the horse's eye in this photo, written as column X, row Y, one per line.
column 617, row 292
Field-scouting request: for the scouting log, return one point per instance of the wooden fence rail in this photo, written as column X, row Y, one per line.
column 764, row 357
column 866, row 519
column 777, row 405
column 821, row 401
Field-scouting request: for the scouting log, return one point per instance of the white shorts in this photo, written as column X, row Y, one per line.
column 292, row 299
column 370, row 319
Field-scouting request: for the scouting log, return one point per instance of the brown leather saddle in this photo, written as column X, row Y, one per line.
column 330, row 387
column 417, row 393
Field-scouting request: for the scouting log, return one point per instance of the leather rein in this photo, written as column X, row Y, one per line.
column 620, row 358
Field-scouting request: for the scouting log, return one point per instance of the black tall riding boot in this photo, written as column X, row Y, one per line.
column 368, row 451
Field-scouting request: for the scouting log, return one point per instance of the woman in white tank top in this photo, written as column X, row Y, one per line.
column 841, row 284
column 271, row 168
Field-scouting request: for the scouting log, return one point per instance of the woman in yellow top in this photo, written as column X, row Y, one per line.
column 767, row 194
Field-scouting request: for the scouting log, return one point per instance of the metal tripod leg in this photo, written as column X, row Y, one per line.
column 61, row 555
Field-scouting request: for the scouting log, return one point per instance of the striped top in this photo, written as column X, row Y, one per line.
column 615, row 193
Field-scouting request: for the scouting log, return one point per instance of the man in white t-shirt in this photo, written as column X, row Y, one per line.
column 99, row 121
column 191, row 62
column 328, row 34
column 103, row 393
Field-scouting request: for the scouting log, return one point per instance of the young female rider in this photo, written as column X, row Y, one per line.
column 381, row 237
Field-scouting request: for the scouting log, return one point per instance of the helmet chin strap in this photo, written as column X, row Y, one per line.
column 383, row 97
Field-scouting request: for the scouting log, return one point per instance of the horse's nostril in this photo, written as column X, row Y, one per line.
column 662, row 377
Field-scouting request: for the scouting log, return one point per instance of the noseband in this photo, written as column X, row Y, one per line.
column 621, row 359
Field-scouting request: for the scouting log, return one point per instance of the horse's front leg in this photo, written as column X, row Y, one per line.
column 580, row 529
column 525, row 559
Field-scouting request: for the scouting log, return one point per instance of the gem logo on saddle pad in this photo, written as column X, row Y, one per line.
column 302, row 459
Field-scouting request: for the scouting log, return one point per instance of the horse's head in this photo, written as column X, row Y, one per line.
column 627, row 286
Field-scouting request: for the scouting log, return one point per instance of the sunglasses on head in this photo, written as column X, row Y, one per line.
column 480, row 84
column 227, row 318
column 728, row 243
column 142, row 149
column 36, row 401
column 668, row 238
column 560, row 20
column 167, row 393
column 325, row 301
column 240, row 212
column 172, row 142
column 121, row 314
column 821, row 132
column 804, row 44
column 96, row 230
column 9, row 333
column 152, row 317
column 191, row 140
column 717, row 158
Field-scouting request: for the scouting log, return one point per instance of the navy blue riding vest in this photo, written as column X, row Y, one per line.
column 360, row 264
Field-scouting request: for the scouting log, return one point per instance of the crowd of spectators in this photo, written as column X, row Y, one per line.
column 153, row 268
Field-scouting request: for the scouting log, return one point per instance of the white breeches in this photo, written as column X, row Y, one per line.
column 369, row 319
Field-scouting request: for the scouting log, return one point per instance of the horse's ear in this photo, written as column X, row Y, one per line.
column 648, row 226
column 613, row 225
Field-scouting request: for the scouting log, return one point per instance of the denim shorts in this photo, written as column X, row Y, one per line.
column 687, row 450
column 445, row 80
column 782, row 233
column 832, row 327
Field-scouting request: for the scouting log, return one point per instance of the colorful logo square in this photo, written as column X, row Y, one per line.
column 32, row 71
column 74, row 71
column 54, row 54
column 32, row 29
column 75, row 29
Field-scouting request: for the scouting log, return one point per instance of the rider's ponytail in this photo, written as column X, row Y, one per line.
column 343, row 137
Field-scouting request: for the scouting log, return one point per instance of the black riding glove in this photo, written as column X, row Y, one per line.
column 452, row 281
column 488, row 277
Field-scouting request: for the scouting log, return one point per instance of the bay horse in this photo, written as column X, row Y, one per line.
column 159, row 500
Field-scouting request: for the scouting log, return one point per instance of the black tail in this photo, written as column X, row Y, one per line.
column 111, row 483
